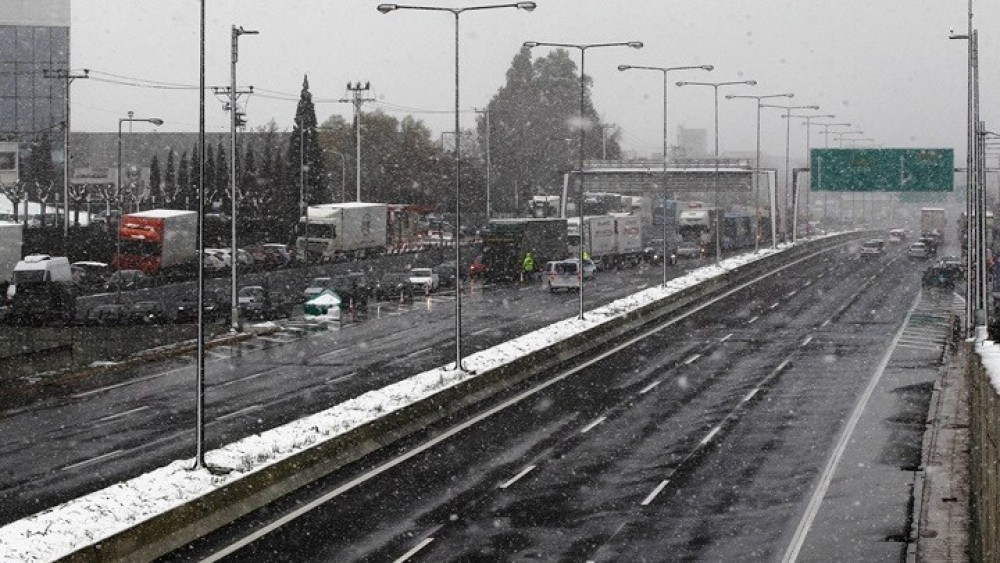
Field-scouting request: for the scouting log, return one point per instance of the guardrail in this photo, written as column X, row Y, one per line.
column 174, row 528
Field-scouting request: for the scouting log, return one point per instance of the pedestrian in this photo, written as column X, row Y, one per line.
column 527, row 266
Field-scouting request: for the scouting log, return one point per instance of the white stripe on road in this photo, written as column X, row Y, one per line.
column 649, row 387
column 750, row 395
column 692, row 359
column 649, row 498
column 590, row 426
column 93, row 460
column 751, row 321
column 806, row 341
column 826, row 322
column 414, row 551
column 341, row 378
column 245, row 410
column 726, row 337
column 482, row 331
column 117, row 385
column 710, row 435
column 812, row 509
column 517, row 477
column 774, row 305
column 122, row 414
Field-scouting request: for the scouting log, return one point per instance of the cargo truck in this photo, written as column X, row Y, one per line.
column 342, row 231
column 612, row 240
column 43, row 291
column 157, row 242
column 932, row 223
column 10, row 253
column 506, row 241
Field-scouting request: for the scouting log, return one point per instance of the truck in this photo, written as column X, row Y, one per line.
column 42, row 290
column 699, row 225
column 933, row 223
column 342, row 231
column 157, row 242
column 506, row 241
column 541, row 206
column 10, row 252
column 598, row 237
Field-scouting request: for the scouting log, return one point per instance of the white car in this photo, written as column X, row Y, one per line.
column 424, row 278
column 222, row 254
column 563, row 274
column 589, row 268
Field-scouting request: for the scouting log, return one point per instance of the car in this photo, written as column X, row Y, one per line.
column 446, row 273
column 477, row 268
column 953, row 261
column 146, row 312
column 316, row 286
column 223, row 254
column 941, row 275
column 561, row 274
column 918, row 251
column 214, row 307
column 394, row 287
column 897, row 236
column 873, row 247
column 424, row 279
column 689, row 249
column 212, row 262
column 106, row 314
column 256, row 302
column 127, row 280
column 589, row 268
column 270, row 255
column 88, row 274
column 353, row 288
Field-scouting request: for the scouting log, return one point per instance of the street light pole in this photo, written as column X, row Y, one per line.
column 489, row 167
column 756, row 194
column 720, row 211
column 788, row 136
column 118, row 181
column 795, row 211
column 582, row 47
column 457, row 12
column 234, row 311
column 663, row 189
column 826, row 144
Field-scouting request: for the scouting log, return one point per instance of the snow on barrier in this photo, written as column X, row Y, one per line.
column 152, row 514
column 984, row 436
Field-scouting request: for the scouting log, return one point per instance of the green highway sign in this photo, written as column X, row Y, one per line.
column 882, row 170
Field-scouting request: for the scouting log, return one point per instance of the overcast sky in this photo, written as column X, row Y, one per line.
column 886, row 66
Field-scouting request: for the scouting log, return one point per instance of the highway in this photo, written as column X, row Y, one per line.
column 112, row 427
column 700, row 440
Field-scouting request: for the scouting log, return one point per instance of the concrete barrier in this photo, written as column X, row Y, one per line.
column 984, row 445
column 173, row 529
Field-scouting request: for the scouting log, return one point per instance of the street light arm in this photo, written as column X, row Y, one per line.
column 665, row 69
column 583, row 46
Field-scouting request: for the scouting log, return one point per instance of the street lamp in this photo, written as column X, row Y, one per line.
column 664, row 71
column 118, row 185
column 772, row 199
column 385, row 9
column 788, row 136
column 234, row 311
column 720, row 211
column 582, row 47
column 795, row 212
column 343, row 176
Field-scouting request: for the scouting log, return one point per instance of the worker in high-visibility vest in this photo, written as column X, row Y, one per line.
column 527, row 266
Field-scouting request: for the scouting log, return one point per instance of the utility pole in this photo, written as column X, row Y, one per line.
column 357, row 98
column 67, row 76
column 489, row 167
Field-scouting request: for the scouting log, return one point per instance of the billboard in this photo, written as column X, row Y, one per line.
column 882, row 170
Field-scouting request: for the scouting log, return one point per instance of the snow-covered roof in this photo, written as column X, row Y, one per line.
column 161, row 213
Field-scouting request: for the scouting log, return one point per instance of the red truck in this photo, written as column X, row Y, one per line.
column 157, row 241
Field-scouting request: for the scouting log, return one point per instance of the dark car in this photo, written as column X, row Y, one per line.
column 146, row 312
column 214, row 308
column 255, row 302
column 394, row 287
column 89, row 275
column 353, row 289
column 127, row 280
column 107, row 314
column 446, row 273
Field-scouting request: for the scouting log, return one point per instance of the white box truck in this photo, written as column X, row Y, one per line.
column 336, row 231
column 628, row 238
column 157, row 241
column 10, row 250
column 598, row 237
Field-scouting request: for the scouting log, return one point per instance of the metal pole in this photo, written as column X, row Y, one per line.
column 234, row 311
column 663, row 212
column 118, row 196
column 719, row 211
column 66, row 162
column 756, row 192
column 200, row 359
column 788, row 137
column 458, row 212
column 489, row 165
column 303, row 204
column 357, row 143
column 583, row 137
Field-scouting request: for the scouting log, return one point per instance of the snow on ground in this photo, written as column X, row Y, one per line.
column 35, row 208
column 989, row 352
column 58, row 531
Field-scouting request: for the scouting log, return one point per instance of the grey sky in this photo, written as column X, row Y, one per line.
column 885, row 65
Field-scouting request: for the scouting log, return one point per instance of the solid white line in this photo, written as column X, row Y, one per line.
column 245, row 410
column 590, row 426
column 826, row 322
column 750, row 395
column 308, row 507
column 329, row 354
column 339, row 379
column 482, row 331
column 93, row 460
column 806, row 341
column 751, row 321
column 711, row 435
column 122, row 414
column 414, row 551
column 812, row 509
column 117, row 385
column 649, row 498
column 515, row 478
column 649, row 387
column 726, row 337
column 691, row 360
column 415, row 354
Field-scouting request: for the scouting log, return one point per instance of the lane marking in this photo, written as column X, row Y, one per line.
column 590, row 426
column 774, row 305
column 414, row 551
column 417, row 450
column 711, row 435
column 649, row 498
column 244, row 410
column 341, row 378
column 329, row 354
column 122, row 414
column 750, row 395
column 246, row 377
column 481, row 331
column 517, row 477
column 825, row 323
column 792, row 294
column 753, row 320
column 649, row 387
column 812, row 509
column 415, row 354
column 806, row 341
column 726, row 337
column 692, row 359
column 93, row 460
column 117, row 385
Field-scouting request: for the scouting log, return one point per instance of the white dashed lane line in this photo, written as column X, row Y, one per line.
column 590, row 426
column 406, row 556
column 692, row 359
column 649, row 387
column 517, row 477
column 649, row 498
column 726, row 337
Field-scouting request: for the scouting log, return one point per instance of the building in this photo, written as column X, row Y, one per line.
column 34, row 38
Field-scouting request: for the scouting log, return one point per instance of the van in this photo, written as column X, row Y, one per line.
column 561, row 274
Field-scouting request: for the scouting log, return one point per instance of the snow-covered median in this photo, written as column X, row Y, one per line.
column 989, row 353
column 61, row 530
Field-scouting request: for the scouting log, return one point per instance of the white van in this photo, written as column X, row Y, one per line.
column 561, row 274
column 40, row 268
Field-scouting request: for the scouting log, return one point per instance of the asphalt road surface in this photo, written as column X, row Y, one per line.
column 699, row 441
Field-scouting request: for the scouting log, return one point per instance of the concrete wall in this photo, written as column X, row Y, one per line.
column 984, row 460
